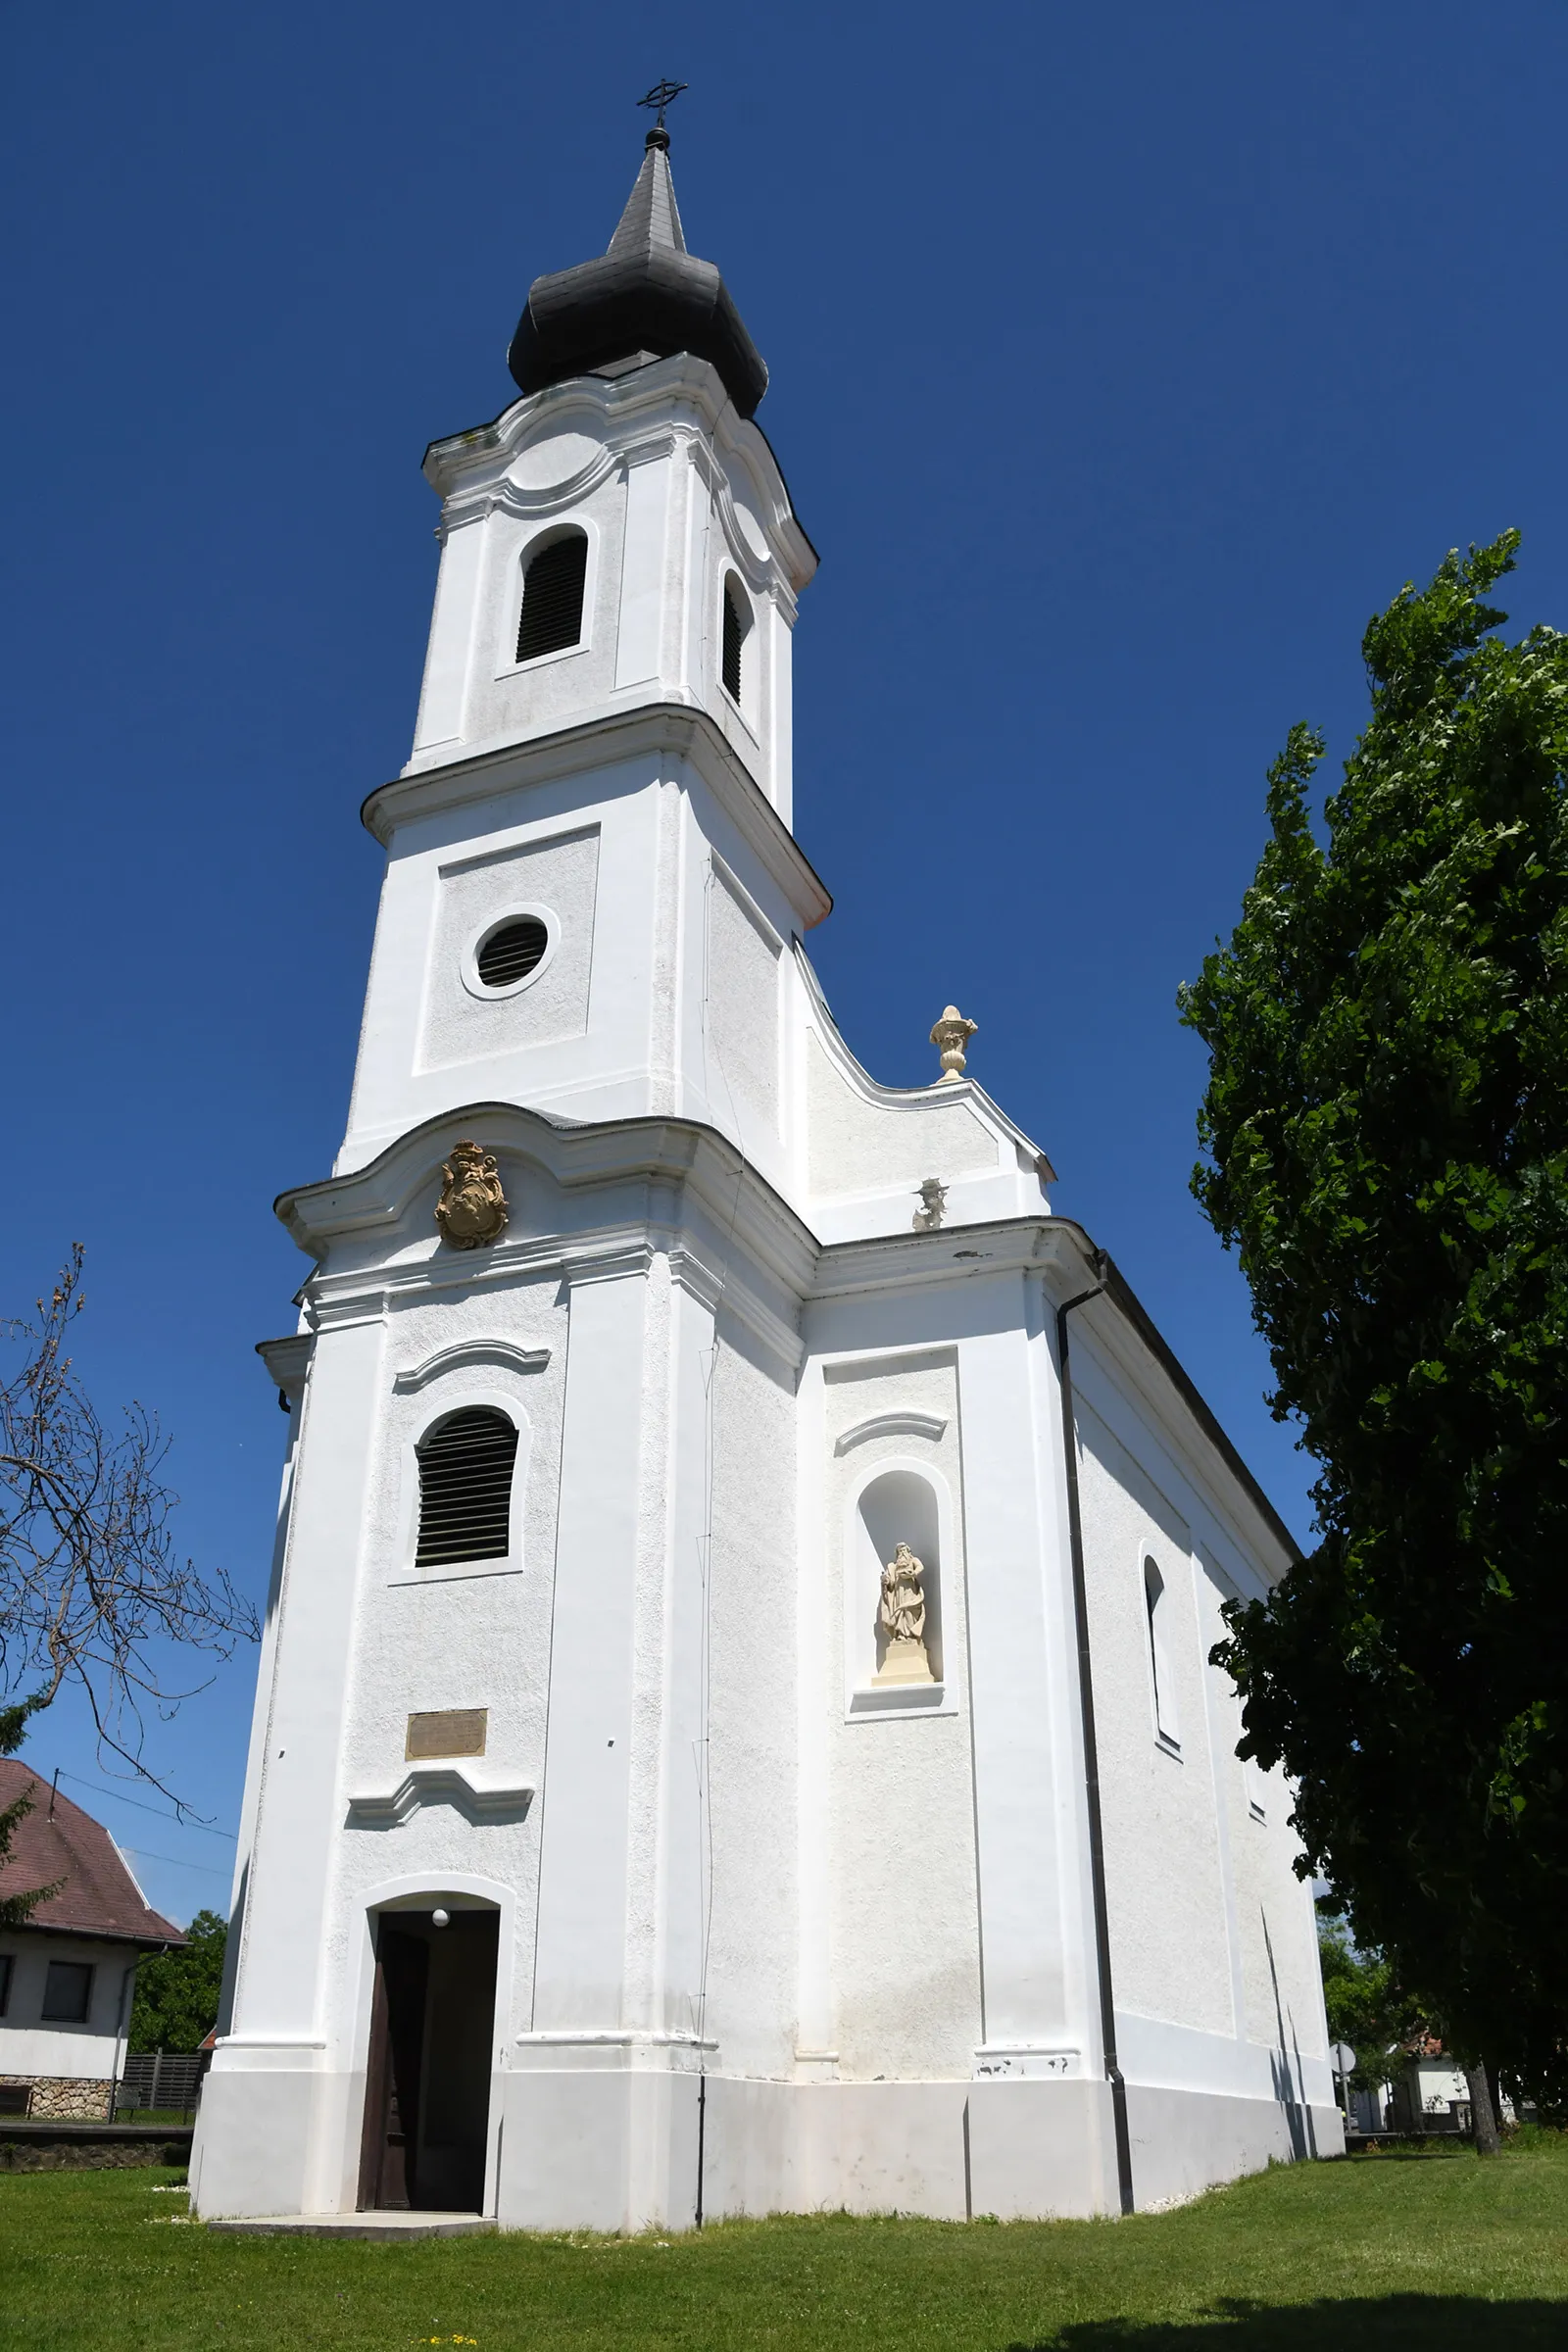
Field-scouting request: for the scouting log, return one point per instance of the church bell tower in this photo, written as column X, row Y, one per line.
column 671, row 1787
column 604, row 731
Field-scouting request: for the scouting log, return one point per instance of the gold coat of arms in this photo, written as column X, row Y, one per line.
column 473, row 1209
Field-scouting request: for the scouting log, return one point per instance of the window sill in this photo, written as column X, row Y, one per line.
column 448, row 1571
column 876, row 1705
column 559, row 653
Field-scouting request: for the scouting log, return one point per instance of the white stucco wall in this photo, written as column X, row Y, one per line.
column 751, row 1704
column 1165, row 1886
column 553, row 880
column 905, row 1922
column 1213, row 1936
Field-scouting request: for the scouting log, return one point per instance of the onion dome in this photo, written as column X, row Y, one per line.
column 642, row 299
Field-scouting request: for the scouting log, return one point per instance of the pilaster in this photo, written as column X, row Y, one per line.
column 579, row 1968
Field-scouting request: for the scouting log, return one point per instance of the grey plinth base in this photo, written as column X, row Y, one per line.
column 386, row 2226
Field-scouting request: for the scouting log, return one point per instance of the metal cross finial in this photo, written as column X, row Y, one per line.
column 662, row 94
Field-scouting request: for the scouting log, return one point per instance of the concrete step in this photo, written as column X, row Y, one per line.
column 386, row 2226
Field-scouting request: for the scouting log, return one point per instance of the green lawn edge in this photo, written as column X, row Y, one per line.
column 1436, row 2249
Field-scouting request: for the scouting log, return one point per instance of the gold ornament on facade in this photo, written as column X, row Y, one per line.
column 471, row 1212
column 950, row 1036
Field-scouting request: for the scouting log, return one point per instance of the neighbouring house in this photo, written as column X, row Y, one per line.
column 1427, row 2090
column 67, row 1977
column 1429, row 2093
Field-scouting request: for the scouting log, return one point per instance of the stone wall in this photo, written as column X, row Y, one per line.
column 66, row 2098
column 73, row 2152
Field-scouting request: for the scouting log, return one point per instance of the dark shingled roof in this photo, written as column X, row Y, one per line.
column 644, row 299
column 97, row 1895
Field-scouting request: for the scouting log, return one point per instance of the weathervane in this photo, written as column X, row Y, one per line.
column 662, row 94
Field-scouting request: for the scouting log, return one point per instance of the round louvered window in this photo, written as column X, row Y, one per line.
column 511, row 951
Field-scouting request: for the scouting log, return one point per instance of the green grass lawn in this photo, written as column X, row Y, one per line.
column 1434, row 2251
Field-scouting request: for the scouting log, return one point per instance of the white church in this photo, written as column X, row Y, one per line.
column 734, row 1731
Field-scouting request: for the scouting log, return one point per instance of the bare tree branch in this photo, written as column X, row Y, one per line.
column 91, row 1583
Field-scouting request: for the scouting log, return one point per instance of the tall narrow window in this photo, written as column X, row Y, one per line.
column 1157, row 1611
column 552, row 598
column 466, row 1468
column 737, row 627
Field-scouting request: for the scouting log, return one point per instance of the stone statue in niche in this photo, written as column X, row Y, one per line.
column 902, row 1617
column 471, row 1212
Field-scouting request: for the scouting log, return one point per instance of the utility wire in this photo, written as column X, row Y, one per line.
column 208, row 1870
column 157, row 1812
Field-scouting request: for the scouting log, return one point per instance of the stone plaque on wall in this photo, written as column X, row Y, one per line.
column 449, row 1731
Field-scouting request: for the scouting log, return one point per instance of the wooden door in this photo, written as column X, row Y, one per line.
column 388, row 2169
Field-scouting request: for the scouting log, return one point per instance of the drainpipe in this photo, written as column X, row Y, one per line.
column 1085, row 1716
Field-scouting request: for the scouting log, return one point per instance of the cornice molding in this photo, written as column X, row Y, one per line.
column 621, row 413
column 952, row 1253
column 689, row 1172
column 674, row 726
column 937, row 1096
column 688, row 1165
column 528, row 504
column 1119, row 1352
column 765, row 575
column 288, row 1361
column 721, row 1292
column 612, row 1261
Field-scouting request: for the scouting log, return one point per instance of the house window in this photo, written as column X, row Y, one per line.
column 6, row 1965
column 552, row 598
column 1157, row 1610
column 67, row 1992
column 466, row 1468
column 737, row 628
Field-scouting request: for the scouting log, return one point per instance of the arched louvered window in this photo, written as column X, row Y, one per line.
column 552, row 598
column 466, row 1488
column 736, row 630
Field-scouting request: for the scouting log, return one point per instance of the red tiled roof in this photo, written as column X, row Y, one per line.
column 98, row 1896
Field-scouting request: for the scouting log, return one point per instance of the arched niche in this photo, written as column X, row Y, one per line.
column 896, row 1502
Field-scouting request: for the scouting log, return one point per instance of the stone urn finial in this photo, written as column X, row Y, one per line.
column 951, row 1034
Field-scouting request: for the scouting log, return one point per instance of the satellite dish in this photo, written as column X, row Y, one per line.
column 1343, row 2058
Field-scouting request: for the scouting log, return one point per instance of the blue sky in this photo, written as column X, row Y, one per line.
column 1122, row 362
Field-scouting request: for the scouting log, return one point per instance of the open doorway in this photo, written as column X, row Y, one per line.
column 427, row 2079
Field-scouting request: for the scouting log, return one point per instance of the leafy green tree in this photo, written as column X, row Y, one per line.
column 1385, row 1129
column 1366, row 2007
column 175, row 2006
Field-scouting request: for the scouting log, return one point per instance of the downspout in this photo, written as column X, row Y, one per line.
column 1085, row 1716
